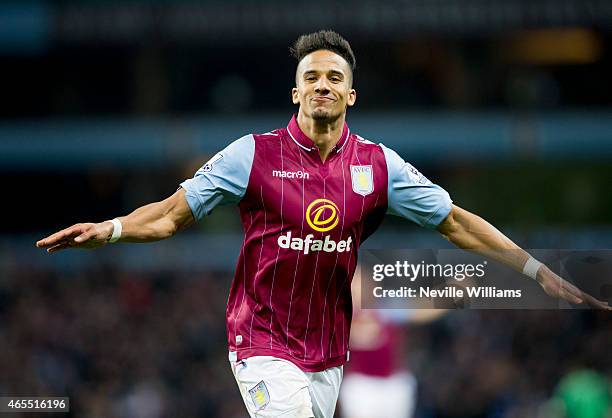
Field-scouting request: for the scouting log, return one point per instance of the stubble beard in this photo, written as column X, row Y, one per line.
column 324, row 116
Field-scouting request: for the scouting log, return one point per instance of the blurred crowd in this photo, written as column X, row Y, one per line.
column 133, row 345
column 120, row 345
column 508, row 363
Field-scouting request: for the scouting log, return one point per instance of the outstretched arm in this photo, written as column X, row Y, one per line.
column 471, row 232
column 222, row 180
column 152, row 222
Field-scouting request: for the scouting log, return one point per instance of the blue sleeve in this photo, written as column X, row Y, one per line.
column 222, row 180
column 412, row 196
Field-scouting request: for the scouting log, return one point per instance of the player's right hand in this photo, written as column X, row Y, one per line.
column 85, row 235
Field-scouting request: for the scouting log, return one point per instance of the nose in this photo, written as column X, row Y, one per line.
column 322, row 86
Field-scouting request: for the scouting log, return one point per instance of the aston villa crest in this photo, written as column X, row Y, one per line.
column 362, row 179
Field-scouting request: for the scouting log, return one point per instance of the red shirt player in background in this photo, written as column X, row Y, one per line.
column 308, row 195
column 378, row 382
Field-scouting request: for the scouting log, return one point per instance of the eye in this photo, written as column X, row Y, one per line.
column 336, row 79
column 311, row 78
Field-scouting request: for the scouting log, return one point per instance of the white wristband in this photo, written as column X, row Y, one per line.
column 531, row 268
column 117, row 228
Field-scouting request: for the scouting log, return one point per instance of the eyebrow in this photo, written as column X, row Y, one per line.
column 336, row 72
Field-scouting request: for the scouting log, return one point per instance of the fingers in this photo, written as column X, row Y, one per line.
column 60, row 236
column 596, row 303
column 569, row 296
column 574, row 295
column 581, row 296
column 58, row 247
column 568, row 291
column 85, row 236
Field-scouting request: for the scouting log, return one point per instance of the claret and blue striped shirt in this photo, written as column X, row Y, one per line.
column 303, row 222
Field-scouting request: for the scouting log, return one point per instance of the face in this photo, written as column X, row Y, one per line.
column 324, row 86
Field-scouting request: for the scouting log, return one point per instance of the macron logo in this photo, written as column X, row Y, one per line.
column 291, row 174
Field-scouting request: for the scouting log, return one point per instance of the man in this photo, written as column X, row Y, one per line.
column 378, row 371
column 308, row 194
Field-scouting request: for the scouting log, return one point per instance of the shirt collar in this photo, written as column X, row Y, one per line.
column 306, row 143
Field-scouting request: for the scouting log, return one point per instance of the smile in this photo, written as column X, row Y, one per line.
column 322, row 99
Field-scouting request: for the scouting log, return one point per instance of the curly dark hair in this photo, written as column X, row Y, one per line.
column 323, row 39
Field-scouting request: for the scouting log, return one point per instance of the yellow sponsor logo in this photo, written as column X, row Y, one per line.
column 322, row 215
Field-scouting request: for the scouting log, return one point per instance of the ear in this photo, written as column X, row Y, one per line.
column 295, row 97
column 352, row 97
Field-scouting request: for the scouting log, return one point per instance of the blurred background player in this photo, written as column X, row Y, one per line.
column 583, row 393
column 378, row 382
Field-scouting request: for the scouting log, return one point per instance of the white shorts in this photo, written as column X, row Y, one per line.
column 378, row 397
column 273, row 387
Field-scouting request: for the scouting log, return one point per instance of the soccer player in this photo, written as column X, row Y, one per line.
column 309, row 194
column 377, row 371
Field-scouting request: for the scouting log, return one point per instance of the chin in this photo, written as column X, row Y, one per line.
column 324, row 115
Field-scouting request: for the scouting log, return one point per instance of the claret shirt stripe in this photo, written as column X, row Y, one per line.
column 351, row 278
column 291, row 295
column 314, row 280
column 282, row 202
column 244, row 264
column 331, row 277
column 258, row 271
column 297, row 262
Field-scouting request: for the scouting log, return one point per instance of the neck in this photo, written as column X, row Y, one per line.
column 325, row 134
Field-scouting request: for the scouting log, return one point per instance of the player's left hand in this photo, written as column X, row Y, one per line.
column 557, row 287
